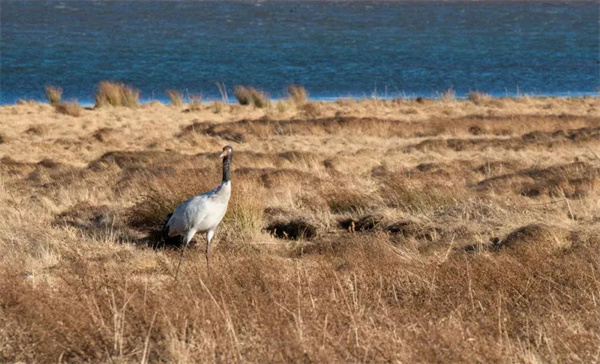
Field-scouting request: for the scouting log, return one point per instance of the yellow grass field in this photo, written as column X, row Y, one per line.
column 396, row 231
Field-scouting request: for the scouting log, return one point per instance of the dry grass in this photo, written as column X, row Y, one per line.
column 116, row 94
column 369, row 231
column 297, row 94
column 251, row 96
column 448, row 95
column 53, row 94
column 69, row 108
column 175, row 97
column 196, row 103
column 478, row 97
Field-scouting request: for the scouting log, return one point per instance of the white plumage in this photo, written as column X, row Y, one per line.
column 201, row 213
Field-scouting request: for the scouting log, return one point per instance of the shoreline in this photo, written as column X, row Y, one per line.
column 89, row 102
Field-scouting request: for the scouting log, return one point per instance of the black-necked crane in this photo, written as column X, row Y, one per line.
column 201, row 213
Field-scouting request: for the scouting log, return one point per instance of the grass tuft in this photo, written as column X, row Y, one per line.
column 175, row 97
column 196, row 103
column 448, row 95
column 251, row 96
column 297, row 94
column 116, row 94
column 53, row 94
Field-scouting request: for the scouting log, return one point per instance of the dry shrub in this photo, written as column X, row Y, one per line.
column 175, row 97
column 116, row 94
column 69, row 108
column 251, row 96
column 297, row 94
column 478, row 98
column 53, row 94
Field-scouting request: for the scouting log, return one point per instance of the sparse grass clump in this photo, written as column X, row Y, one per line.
column 116, row 94
column 53, row 94
column 217, row 107
column 69, row 108
column 175, row 97
column 448, row 95
column 478, row 98
column 251, row 96
column 297, row 94
column 196, row 102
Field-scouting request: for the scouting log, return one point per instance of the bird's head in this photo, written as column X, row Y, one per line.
column 227, row 152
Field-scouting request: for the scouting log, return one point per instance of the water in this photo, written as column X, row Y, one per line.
column 334, row 49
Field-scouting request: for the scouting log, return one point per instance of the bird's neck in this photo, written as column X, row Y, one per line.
column 226, row 173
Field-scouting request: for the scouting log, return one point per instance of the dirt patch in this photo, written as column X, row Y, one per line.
column 404, row 228
column 412, row 229
column 363, row 223
column 293, row 229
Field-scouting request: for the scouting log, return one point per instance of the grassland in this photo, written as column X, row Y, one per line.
column 401, row 231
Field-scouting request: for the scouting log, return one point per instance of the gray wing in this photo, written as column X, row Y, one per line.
column 188, row 214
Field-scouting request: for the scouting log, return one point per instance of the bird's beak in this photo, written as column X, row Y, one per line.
column 224, row 154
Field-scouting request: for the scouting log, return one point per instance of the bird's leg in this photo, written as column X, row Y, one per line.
column 187, row 238
column 209, row 236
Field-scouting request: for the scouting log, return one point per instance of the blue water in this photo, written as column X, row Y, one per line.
column 333, row 48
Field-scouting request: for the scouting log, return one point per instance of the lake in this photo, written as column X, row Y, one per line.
column 334, row 49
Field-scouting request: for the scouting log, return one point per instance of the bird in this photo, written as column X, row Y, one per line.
column 201, row 213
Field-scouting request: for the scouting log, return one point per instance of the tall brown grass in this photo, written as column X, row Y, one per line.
column 251, row 96
column 367, row 234
column 297, row 94
column 175, row 97
column 116, row 94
